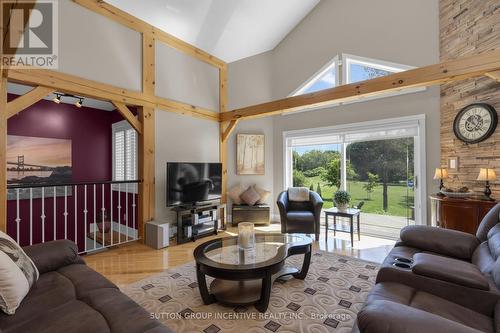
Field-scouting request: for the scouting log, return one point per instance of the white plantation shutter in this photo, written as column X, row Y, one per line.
column 131, row 153
column 124, row 153
column 119, row 155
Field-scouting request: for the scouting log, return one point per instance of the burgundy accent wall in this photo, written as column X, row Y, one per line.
column 89, row 129
column 90, row 132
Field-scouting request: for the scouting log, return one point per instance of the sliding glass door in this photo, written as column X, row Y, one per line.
column 380, row 178
column 378, row 163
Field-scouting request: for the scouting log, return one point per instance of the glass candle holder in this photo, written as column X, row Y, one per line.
column 246, row 235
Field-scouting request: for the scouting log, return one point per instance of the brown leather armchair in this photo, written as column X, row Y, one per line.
column 300, row 217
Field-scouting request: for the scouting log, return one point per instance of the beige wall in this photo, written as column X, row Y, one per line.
column 400, row 31
column 408, row 33
column 96, row 48
column 181, row 139
column 183, row 78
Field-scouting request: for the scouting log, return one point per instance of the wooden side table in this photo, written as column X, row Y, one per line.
column 349, row 213
column 259, row 214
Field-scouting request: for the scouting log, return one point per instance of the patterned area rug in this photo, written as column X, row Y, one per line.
column 326, row 301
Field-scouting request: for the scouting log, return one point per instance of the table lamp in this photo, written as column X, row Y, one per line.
column 487, row 175
column 441, row 173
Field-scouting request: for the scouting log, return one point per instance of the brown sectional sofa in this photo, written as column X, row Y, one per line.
column 71, row 297
column 438, row 280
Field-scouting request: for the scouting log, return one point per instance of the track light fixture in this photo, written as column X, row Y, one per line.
column 78, row 103
column 57, row 99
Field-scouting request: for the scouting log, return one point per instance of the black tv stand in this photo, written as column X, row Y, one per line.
column 197, row 221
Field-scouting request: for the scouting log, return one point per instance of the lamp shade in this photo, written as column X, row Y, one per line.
column 441, row 173
column 487, row 174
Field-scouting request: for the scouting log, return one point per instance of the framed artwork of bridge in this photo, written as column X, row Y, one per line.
column 36, row 161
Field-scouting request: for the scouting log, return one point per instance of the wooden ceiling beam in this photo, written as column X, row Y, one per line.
column 228, row 129
column 87, row 88
column 129, row 116
column 22, row 102
column 494, row 75
column 453, row 70
column 134, row 23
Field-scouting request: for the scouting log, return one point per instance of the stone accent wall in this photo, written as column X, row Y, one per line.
column 469, row 27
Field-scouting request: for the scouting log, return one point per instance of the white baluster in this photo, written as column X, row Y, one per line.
column 95, row 220
column 31, row 216
column 18, row 218
column 43, row 215
column 85, row 211
column 119, row 215
column 126, row 211
column 133, row 215
column 111, row 210
column 55, row 215
column 65, row 212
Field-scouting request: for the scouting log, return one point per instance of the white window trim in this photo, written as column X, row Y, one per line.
column 348, row 59
column 342, row 62
column 123, row 125
column 309, row 82
column 420, row 162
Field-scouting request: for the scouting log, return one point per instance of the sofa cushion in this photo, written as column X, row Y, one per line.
column 300, row 221
column 479, row 300
column 494, row 241
column 483, row 259
column 449, row 269
column 84, row 279
column 447, row 242
column 121, row 313
column 50, row 291
column 53, row 255
column 488, row 222
column 74, row 317
column 408, row 304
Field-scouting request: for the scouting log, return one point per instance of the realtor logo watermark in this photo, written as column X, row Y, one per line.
column 31, row 39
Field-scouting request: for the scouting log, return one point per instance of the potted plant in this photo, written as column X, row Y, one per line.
column 341, row 199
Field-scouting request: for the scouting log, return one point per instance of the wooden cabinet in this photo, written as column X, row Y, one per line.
column 255, row 214
column 460, row 214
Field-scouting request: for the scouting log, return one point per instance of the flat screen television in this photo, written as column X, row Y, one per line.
column 193, row 183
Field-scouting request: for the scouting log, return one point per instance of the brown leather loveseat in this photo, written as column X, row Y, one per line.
column 71, row 297
column 438, row 280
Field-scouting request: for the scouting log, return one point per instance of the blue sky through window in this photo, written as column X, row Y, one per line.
column 304, row 149
column 359, row 72
column 327, row 80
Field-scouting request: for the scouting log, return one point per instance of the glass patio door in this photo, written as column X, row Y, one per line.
column 380, row 177
column 379, row 163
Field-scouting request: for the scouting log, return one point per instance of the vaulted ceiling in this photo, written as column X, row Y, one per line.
column 228, row 29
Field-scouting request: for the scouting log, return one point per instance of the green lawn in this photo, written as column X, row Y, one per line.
column 373, row 204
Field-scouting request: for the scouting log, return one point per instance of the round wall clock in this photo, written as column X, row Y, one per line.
column 475, row 123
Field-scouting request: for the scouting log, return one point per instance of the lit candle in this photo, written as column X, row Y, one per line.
column 246, row 235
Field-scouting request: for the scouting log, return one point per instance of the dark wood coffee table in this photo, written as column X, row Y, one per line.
column 245, row 277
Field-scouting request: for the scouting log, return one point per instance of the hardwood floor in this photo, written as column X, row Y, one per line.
column 134, row 261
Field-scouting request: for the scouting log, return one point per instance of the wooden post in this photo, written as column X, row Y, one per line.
column 148, row 64
column 222, row 126
column 146, row 168
column 3, row 152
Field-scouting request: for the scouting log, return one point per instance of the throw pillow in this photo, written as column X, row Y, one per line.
column 250, row 196
column 17, row 274
column 299, row 194
column 235, row 192
column 264, row 195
